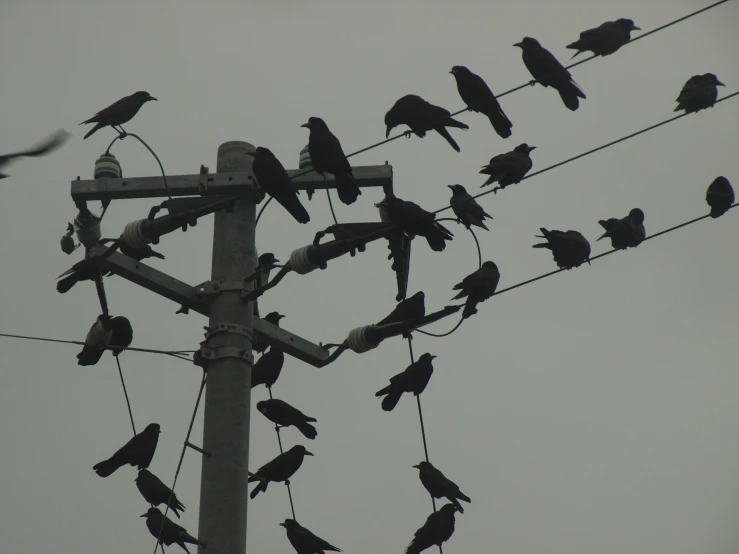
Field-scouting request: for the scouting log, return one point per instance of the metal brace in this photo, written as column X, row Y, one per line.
column 217, row 287
column 207, row 354
column 203, row 184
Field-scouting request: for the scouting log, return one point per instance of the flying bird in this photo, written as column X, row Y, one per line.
column 466, row 208
column 137, row 452
column 479, row 98
column 327, row 157
column 305, row 542
column 569, row 248
column 122, row 334
column 604, row 39
column 119, row 112
column 438, row 529
column 414, row 220
column 698, row 93
column 279, row 469
column 626, row 232
column 509, row 168
column 422, row 116
column 46, row 146
column 547, row 71
column 478, row 286
column 413, row 379
column 167, row 531
column 283, row 414
column 155, row 492
column 98, row 337
column 274, row 180
column 438, row 486
column 266, row 370
column 720, row 196
column 258, row 344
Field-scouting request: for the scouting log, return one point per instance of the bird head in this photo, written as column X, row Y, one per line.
column 141, row 472
column 314, row 122
column 524, row 148
column 636, row 215
column 713, row 79
column 262, row 407
column 628, row 24
column 289, row 524
column 391, row 120
column 457, row 189
column 421, row 465
column 301, row 448
column 144, row 96
column 490, row 265
column 266, row 259
column 528, row 42
column 274, row 318
column 426, row 357
column 153, row 428
column 151, row 512
column 446, row 508
column 459, row 69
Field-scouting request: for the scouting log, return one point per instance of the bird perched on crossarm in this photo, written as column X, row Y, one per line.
column 274, row 180
column 119, row 112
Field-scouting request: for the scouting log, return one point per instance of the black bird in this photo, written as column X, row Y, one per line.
column 122, row 334
column 137, row 452
column 698, row 93
column 477, row 287
column 279, row 469
column 84, row 270
column 422, row 116
column 414, row 220
column 155, row 492
column 410, row 309
column 139, row 254
column 274, row 180
column 46, row 146
column 466, row 208
column 266, row 370
column 265, row 263
column 547, row 71
column 326, row 155
column 509, row 168
column 439, row 486
column 171, row 533
column 119, row 112
column 98, row 337
column 438, row 529
column 283, row 414
column 605, row 39
column 569, row 248
column 625, row 232
column 479, row 98
column 720, row 196
column 305, row 542
column 273, row 318
column 413, row 379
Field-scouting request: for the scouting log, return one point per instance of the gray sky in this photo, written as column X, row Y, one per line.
column 593, row 411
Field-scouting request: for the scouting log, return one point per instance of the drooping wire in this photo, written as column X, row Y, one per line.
column 428, row 334
column 261, row 211
column 287, row 483
column 123, row 134
column 125, row 393
column 331, row 206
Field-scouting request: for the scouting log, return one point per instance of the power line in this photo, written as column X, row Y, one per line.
column 125, row 393
column 287, row 482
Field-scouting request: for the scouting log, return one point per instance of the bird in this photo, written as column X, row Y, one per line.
column 698, row 93
column 136, row 452
column 98, row 337
column 412, row 308
column 478, row 286
column 155, row 492
column 84, row 270
column 438, row 486
column 327, row 157
column 466, row 208
column 719, row 196
column 438, row 529
column 414, row 220
column 413, row 379
column 266, row 370
column 283, row 414
column 604, row 39
column 422, row 116
column 46, row 146
column 305, row 542
column 274, row 180
column 119, row 112
column 547, row 71
column 509, row 168
column 167, row 531
column 265, row 263
column 626, row 232
column 122, row 334
column 139, row 254
column 479, row 98
column 279, row 469
column 257, row 343
column 569, row 248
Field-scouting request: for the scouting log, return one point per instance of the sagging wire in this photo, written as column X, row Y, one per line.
column 287, row 483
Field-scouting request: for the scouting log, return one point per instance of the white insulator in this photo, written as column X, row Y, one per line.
column 107, row 166
column 305, row 162
column 132, row 234
column 299, row 261
column 358, row 339
column 87, row 233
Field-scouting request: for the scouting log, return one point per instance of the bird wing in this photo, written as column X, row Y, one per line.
column 46, row 146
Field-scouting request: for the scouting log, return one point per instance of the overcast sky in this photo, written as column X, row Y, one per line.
column 593, row 411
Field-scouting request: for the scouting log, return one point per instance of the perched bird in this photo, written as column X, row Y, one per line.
column 413, row 379
column 410, row 309
column 569, row 248
column 720, row 196
column 626, row 232
column 305, row 542
column 98, row 337
column 119, row 112
column 275, row 181
column 122, row 334
column 479, row 98
column 84, row 270
column 605, row 39
column 167, row 531
column 421, row 116
column 326, row 155
column 139, row 254
column 46, row 146
column 155, row 492
column 439, row 486
column 478, row 286
column 265, row 264
column 266, row 370
column 509, row 168
column 283, row 414
column 279, row 469
column 547, row 71
column 698, row 93
column 259, row 345
column 414, row 220
column 137, row 452
column 438, row 529
column 466, row 208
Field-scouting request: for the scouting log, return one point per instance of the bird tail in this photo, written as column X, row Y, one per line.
column 457, row 505
column 347, row 188
column 569, row 93
column 67, row 283
column 500, row 123
column 296, row 209
column 544, row 232
column 106, row 467
column 91, row 131
column 464, row 497
column 391, row 400
column 449, row 122
column 89, row 355
column 470, row 307
column 444, row 133
column 437, row 240
column 156, row 255
column 307, row 429
column 176, row 506
column 261, row 487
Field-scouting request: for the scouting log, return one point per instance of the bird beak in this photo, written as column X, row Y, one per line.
column 432, row 357
column 532, row 148
column 308, row 453
column 719, row 83
column 281, row 316
column 143, row 515
column 519, row 44
column 281, row 524
column 387, row 131
column 635, row 28
column 307, row 126
column 451, row 186
column 417, row 466
column 152, row 98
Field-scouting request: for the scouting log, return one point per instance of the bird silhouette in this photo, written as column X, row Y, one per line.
column 98, row 338
column 476, row 93
column 438, row 529
column 167, row 531
column 119, row 112
column 438, row 486
column 305, row 542
column 414, row 220
column 412, row 379
column 283, row 414
column 279, row 469
column 422, row 116
column 698, row 93
column 509, row 168
column 569, row 248
column 274, row 180
column 478, row 286
column 46, row 146
column 138, row 451
column 466, row 208
column 627, row 232
column 327, row 156
column 720, row 196
column 155, row 492
column 605, row 39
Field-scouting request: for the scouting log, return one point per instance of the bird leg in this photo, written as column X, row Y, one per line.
column 287, row 482
column 408, row 134
column 532, row 82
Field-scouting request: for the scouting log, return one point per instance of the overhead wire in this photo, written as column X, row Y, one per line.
column 125, row 393
column 287, row 482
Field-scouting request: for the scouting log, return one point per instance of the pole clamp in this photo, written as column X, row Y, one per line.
column 207, row 354
column 214, row 288
column 231, row 328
